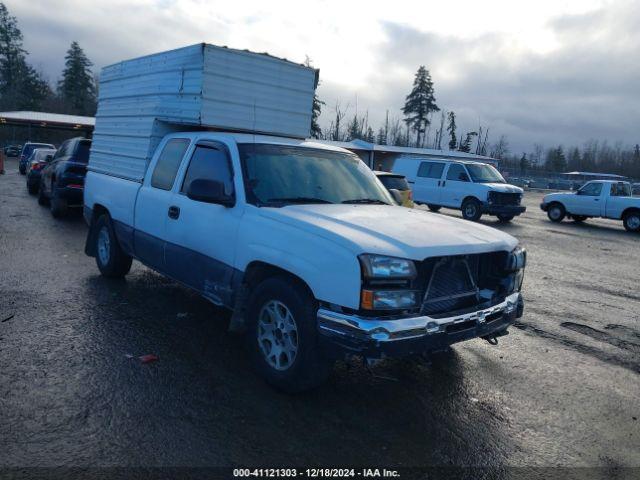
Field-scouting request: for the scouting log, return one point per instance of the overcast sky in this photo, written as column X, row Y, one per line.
column 550, row 71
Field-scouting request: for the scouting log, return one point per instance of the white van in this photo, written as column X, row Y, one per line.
column 473, row 187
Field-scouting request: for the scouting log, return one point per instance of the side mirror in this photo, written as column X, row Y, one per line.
column 209, row 191
column 463, row 177
column 397, row 196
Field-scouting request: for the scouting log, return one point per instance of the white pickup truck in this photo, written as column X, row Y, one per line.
column 600, row 198
column 299, row 239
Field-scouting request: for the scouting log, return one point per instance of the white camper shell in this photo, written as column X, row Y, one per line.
column 200, row 86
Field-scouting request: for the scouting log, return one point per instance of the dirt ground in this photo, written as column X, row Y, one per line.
column 561, row 390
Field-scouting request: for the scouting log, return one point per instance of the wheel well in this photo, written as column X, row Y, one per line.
column 556, row 202
column 255, row 273
column 470, row 197
column 258, row 271
column 97, row 211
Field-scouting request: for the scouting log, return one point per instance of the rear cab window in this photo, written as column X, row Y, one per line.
column 164, row 173
column 394, row 182
column 82, row 151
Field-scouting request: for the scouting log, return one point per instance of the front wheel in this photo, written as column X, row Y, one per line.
column 282, row 339
column 434, row 208
column 112, row 261
column 505, row 218
column 556, row 212
column 631, row 221
column 471, row 210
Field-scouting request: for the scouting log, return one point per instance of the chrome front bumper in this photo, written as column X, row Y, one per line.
column 422, row 332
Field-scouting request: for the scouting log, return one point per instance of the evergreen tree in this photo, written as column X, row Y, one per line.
column 575, row 160
column 451, row 128
column 354, row 130
column 466, row 145
column 556, row 161
column 316, row 131
column 524, row 163
column 21, row 87
column 77, row 87
column 419, row 104
column 381, row 139
column 370, row 136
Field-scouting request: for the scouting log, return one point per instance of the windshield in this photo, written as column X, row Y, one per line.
column 82, row 154
column 391, row 181
column 277, row 175
column 482, row 173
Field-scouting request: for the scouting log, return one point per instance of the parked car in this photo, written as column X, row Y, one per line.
column 298, row 238
column 473, row 187
column 37, row 161
column 26, row 152
column 635, row 189
column 62, row 179
column 601, row 198
column 394, row 182
column 12, row 150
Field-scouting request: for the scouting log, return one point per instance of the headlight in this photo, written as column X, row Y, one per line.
column 381, row 267
column 516, row 260
column 389, row 299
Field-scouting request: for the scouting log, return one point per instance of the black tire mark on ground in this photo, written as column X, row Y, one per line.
column 614, row 293
column 601, row 336
column 580, row 347
column 628, row 332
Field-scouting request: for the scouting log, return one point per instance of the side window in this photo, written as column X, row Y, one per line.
column 591, row 189
column 210, row 163
column 431, row 170
column 457, row 172
column 165, row 172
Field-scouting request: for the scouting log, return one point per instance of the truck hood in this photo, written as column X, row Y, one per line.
column 503, row 187
column 394, row 231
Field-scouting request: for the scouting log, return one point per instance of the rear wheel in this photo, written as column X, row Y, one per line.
column 59, row 206
column 434, row 208
column 556, row 212
column 631, row 221
column 112, row 261
column 471, row 209
column 282, row 339
column 505, row 218
column 32, row 188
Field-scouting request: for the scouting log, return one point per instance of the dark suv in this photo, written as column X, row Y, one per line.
column 62, row 180
column 27, row 150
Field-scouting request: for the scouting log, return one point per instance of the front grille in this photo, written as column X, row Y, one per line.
column 503, row 198
column 461, row 282
column 451, row 286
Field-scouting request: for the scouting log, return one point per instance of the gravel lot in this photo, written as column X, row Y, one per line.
column 561, row 390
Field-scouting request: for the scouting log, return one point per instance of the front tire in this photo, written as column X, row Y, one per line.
column 112, row 261
column 471, row 210
column 434, row 208
column 556, row 212
column 631, row 221
column 282, row 339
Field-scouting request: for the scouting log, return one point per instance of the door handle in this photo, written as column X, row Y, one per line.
column 438, row 182
column 596, row 199
column 443, row 182
column 174, row 212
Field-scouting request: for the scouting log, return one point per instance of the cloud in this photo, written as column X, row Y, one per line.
column 547, row 72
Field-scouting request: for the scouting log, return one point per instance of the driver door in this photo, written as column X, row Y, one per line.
column 201, row 237
column 587, row 200
column 455, row 186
